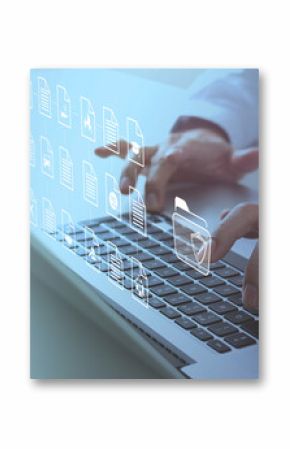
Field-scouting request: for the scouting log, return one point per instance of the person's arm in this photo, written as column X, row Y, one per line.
column 224, row 101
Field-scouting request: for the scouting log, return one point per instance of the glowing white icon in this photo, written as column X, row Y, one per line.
column 63, row 106
column 48, row 216
column 110, row 130
column 44, row 97
column 68, row 229
column 136, row 140
column 33, row 209
column 140, row 289
column 47, row 157
column 90, row 183
column 93, row 246
column 137, row 211
column 88, row 120
column 113, row 197
column 32, row 152
column 66, row 171
column 116, row 265
column 192, row 240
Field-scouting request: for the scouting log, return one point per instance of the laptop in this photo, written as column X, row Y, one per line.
column 193, row 320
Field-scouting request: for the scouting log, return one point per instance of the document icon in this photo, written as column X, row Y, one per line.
column 137, row 211
column 47, row 157
column 139, row 276
column 110, row 130
column 32, row 152
column 88, row 120
column 48, row 216
column 136, row 140
column 191, row 235
column 68, row 229
column 33, row 209
column 116, row 266
column 90, row 184
column 113, row 197
column 44, row 97
column 66, row 174
column 63, row 106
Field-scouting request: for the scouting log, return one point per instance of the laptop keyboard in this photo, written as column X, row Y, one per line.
column 207, row 307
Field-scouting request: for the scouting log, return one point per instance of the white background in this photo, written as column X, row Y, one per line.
column 144, row 414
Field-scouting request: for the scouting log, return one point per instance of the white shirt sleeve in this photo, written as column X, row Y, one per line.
column 229, row 98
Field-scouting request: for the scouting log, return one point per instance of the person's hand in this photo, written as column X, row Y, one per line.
column 242, row 221
column 200, row 155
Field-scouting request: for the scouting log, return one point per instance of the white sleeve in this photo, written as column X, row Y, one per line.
column 230, row 99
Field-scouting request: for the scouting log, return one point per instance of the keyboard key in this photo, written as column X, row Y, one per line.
column 169, row 258
column 153, row 264
column 119, row 242
column 181, row 266
column 201, row 334
column 207, row 298
column 179, row 280
column 211, row 281
column 237, row 280
column 170, row 313
column 236, row 299
column 222, row 307
column 81, row 251
column 160, row 250
column 206, row 318
column 156, row 303
column 238, row 317
column 130, row 249
column 252, row 327
column 163, row 290
column 142, row 256
column 166, row 272
column 162, row 236
column 153, row 281
column 215, row 265
column 193, row 289
column 136, row 237
column 240, row 340
column 125, row 230
column 226, row 290
column 151, row 229
column 194, row 274
column 128, row 283
column 226, row 272
column 185, row 323
column 148, row 243
column 177, row 299
column 222, row 329
column 191, row 309
column 218, row 346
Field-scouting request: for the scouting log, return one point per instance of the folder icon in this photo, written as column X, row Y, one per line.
column 190, row 234
column 44, row 97
column 90, row 183
column 48, row 216
column 47, row 157
column 110, row 130
column 88, row 120
column 66, row 177
column 137, row 211
column 33, row 209
column 113, row 197
column 136, row 140
column 63, row 106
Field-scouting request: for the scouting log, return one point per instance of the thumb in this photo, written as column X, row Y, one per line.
column 245, row 161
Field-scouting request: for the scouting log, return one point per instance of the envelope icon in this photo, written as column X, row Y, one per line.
column 190, row 234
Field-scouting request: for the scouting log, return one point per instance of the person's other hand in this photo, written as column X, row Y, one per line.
column 199, row 155
column 242, row 221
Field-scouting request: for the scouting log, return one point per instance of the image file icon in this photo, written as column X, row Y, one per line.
column 44, row 97
column 47, row 157
column 63, row 106
column 33, row 209
column 48, row 216
column 113, row 197
column 136, row 140
column 137, row 211
column 66, row 173
column 32, row 152
column 110, row 130
column 116, row 266
column 88, row 120
column 90, row 183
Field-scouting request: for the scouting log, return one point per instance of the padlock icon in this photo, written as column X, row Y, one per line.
column 141, row 285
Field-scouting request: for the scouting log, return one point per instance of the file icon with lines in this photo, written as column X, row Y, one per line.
column 137, row 211
column 63, row 106
column 48, row 216
column 110, row 130
column 66, row 175
column 44, row 97
column 90, row 183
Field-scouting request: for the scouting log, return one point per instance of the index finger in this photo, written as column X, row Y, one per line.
column 119, row 148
